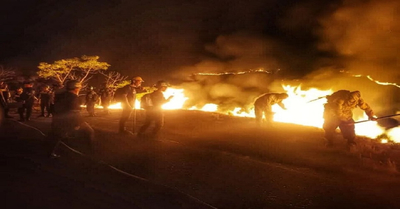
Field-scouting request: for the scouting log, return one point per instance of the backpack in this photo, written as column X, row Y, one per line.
column 146, row 102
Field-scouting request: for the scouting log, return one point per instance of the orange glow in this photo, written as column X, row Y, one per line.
column 299, row 111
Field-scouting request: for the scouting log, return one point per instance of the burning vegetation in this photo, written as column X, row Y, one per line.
column 305, row 106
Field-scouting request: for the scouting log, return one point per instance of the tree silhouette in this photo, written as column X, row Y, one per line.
column 114, row 79
column 6, row 73
column 72, row 69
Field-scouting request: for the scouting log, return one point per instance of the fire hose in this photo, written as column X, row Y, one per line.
column 378, row 118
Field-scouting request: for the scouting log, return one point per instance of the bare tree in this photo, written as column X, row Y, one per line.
column 90, row 65
column 6, row 73
column 114, row 79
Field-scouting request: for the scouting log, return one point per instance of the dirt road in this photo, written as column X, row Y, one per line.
column 201, row 160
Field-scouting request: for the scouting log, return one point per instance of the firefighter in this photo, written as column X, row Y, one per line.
column 44, row 100
column 5, row 99
column 338, row 113
column 56, row 87
column 17, row 98
column 67, row 116
column 154, row 112
column 263, row 106
column 106, row 94
column 91, row 100
column 27, row 98
column 127, row 97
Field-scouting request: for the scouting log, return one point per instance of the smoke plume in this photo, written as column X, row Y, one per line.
column 364, row 34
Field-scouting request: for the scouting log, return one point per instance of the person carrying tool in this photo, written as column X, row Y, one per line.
column 338, row 112
column 127, row 96
column 263, row 106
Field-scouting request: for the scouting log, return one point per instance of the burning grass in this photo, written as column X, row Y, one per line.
column 304, row 107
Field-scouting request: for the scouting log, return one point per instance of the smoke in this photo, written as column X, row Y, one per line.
column 235, row 55
column 364, row 34
column 228, row 91
column 177, row 39
column 236, row 52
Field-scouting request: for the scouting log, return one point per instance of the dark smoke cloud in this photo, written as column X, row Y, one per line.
column 172, row 39
column 156, row 38
column 364, row 34
column 237, row 53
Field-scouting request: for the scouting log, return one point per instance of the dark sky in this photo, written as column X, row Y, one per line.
column 173, row 38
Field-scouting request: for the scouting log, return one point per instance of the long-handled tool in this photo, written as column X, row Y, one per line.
column 382, row 117
column 134, row 120
column 313, row 100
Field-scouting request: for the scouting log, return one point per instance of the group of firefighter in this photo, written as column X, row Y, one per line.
column 338, row 112
column 67, row 118
column 24, row 99
column 64, row 105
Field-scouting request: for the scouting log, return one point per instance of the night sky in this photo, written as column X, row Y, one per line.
column 174, row 38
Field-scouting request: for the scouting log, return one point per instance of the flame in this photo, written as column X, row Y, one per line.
column 303, row 107
column 299, row 110
column 261, row 70
column 394, row 134
column 114, row 106
column 177, row 101
column 378, row 82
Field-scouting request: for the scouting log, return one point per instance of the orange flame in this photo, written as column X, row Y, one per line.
column 299, row 111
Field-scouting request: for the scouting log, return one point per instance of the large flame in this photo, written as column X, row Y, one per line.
column 303, row 107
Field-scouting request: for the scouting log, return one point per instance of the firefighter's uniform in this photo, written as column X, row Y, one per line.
column 339, row 113
column 263, row 106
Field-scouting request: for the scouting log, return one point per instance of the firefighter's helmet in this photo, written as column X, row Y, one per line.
column 73, row 84
column 138, row 78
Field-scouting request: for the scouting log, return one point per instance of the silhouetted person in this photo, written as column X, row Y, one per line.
column 67, row 116
column 91, row 100
column 154, row 111
column 28, row 98
column 127, row 99
column 56, row 88
column 44, row 100
column 5, row 99
column 106, row 94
